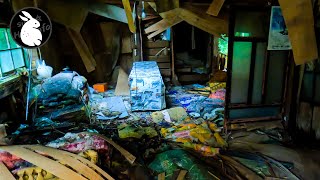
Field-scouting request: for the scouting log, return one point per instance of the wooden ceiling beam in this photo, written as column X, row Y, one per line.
column 215, row 7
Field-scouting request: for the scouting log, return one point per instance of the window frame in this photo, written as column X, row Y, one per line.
column 10, row 49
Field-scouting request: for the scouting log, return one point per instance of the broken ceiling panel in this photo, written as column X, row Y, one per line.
column 108, row 11
column 194, row 16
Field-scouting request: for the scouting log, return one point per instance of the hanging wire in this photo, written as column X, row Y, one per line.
column 29, row 82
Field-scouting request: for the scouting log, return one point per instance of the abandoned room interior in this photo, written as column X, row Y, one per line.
column 159, row 89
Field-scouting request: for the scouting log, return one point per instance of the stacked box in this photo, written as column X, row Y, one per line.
column 147, row 90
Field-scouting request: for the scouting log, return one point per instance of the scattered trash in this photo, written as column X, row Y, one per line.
column 100, row 87
column 170, row 161
column 127, row 131
column 173, row 115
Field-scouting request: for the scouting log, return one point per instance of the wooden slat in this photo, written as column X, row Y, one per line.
column 187, row 69
column 304, row 117
column 52, row 166
column 244, row 120
column 215, row 7
column 5, row 174
column 156, row 44
column 73, row 163
column 90, row 164
column 156, row 51
column 162, row 176
column 164, row 65
column 127, row 8
column 182, row 175
column 86, row 56
column 158, row 58
column 131, row 158
column 316, row 121
column 299, row 19
column 169, row 19
column 203, row 21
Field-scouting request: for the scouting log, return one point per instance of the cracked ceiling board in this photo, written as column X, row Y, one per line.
column 298, row 15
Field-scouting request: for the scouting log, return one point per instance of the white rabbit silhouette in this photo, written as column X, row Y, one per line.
column 29, row 34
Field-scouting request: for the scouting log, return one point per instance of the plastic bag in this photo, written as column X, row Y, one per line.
column 172, row 160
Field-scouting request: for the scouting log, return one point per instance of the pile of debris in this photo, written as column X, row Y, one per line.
column 61, row 97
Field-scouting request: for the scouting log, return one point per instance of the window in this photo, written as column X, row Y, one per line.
column 12, row 56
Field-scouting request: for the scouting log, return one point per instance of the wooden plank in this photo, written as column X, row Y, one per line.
column 52, row 166
column 215, row 7
column 182, row 175
column 108, row 11
column 5, row 173
column 68, row 160
column 316, row 121
column 212, row 25
column 127, row 8
column 184, row 70
column 299, row 19
column 156, row 44
column 90, row 164
column 247, row 120
column 158, row 58
column 122, row 88
column 131, row 158
column 10, row 87
column 304, row 117
column 164, row 65
column 157, row 52
column 162, row 176
column 161, row 26
column 83, row 50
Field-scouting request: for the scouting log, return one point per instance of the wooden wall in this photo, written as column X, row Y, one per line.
column 308, row 105
column 109, row 42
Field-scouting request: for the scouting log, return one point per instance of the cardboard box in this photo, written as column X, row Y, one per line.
column 147, row 90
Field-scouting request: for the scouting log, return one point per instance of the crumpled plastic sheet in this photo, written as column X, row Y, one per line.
column 177, row 96
column 172, row 160
column 80, row 142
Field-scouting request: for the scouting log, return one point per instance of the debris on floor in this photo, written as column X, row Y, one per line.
column 91, row 133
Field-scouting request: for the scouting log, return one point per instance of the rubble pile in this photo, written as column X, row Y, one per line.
column 61, row 97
